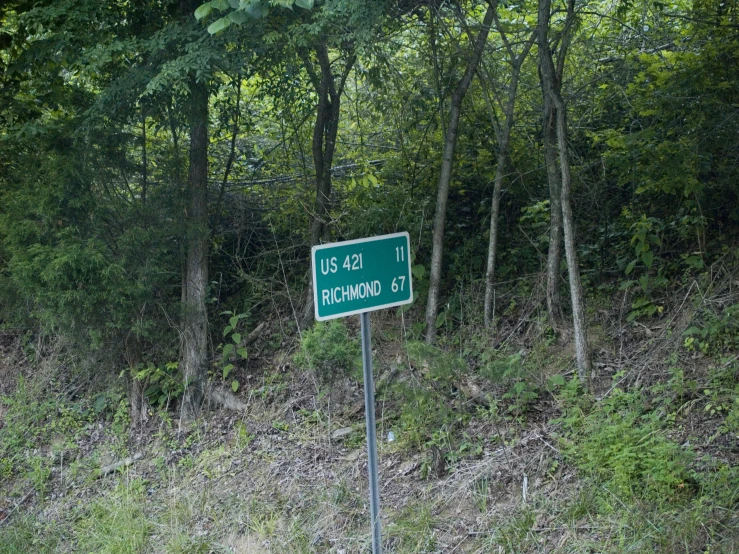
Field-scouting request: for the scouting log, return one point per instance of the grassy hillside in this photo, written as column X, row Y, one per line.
column 497, row 447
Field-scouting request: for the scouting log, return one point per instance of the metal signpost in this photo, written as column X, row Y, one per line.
column 357, row 277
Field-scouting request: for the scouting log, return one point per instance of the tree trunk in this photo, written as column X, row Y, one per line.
column 573, row 270
column 144, row 162
column 503, row 142
column 554, row 255
column 139, row 405
column 194, row 340
column 445, row 176
column 551, row 87
column 325, row 130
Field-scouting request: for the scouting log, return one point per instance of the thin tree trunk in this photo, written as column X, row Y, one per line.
column 232, row 149
column 196, row 316
column 554, row 176
column 325, row 130
column 144, row 161
column 137, row 399
column 573, row 270
column 445, row 176
column 503, row 142
column 549, row 84
column 554, row 255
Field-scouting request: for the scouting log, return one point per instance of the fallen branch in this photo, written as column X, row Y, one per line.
column 116, row 466
column 254, row 335
column 22, row 500
column 226, row 399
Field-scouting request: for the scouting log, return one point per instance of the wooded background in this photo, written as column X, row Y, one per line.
column 165, row 166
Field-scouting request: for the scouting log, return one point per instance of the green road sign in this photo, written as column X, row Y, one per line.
column 361, row 275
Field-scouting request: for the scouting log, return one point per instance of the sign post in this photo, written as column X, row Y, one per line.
column 357, row 277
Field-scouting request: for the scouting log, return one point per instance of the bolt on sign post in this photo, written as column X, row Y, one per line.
column 357, row 277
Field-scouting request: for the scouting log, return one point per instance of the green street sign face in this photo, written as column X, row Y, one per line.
column 361, row 275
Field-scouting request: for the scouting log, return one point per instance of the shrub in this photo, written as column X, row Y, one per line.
column 328, row 350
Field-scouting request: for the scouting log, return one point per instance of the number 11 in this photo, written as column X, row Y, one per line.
column 400, row 253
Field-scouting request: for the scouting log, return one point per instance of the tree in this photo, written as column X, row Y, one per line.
column 447, row 164
column 552, row 92
column 503, row 134
column 195, row 332
column 329, row 89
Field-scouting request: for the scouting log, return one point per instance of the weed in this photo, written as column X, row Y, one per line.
column 514, row 535
column 232, row 349
column 31, row 424
column 437, row 364
column 115, row 524
column 182, row 544
column 162, row 384
column 481, row 494
column 26, row 535
column 424, row 413
column 243, row 436
column 412, row 531
column 626, row 449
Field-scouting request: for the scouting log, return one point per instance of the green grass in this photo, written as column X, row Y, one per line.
column 27, row 535
column 115, row 524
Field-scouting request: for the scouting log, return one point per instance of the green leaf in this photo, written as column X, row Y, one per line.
column 241, row 351
column 238, row 17
column 630, row 267
column 234, row 4
column 236, row 337
column 227, row 369
column 305, row 4
column 221, row 5
column 440, row 319
column 227, row 350
column 418, row 271
column 203, row 11
column 694, row 262
column 219, row 25
column 257, row 10
column 100, row 402
column 644, row 282
column 233, row 321
column 648, row 258
column 227, row 330
column 557, row 380
column 234, row 385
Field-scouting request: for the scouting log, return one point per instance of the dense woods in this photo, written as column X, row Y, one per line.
column 567, row 171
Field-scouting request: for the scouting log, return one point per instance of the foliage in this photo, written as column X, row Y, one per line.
column 95, row 105
column 161, row 385
column 717, row 335
column 31, row 422
column 233, row 348
column 328, row 350
column 627, row 448
column 437, row 364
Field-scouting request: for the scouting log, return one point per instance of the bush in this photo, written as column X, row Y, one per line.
column 328, row 350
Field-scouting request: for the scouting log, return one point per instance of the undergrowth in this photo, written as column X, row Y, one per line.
column 628, row 471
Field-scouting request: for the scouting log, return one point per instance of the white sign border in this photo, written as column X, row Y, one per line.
column 357, row 241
